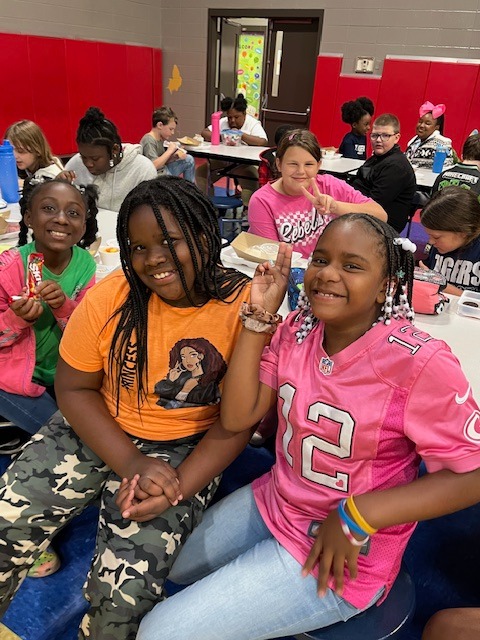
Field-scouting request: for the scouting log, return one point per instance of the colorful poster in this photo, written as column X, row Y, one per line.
column 249, row 69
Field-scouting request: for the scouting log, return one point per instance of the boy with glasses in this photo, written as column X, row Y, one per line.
column 387, row 176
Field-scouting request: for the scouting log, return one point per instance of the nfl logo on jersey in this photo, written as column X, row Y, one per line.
column 326, row 366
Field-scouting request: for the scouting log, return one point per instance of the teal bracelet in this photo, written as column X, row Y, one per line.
column 352, row 525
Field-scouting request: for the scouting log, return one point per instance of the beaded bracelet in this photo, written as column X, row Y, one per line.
column 256, row 319
column 344, row 517
column 358, row 518
column 351, row 538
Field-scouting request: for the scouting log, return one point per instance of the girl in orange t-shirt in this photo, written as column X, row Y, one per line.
column 172, row 297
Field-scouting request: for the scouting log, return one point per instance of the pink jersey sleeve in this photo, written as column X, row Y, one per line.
column 442, row 418
column 340, row 190
column 260, row 214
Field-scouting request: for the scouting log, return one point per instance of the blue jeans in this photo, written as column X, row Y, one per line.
column 27, row 413
column 249, row 587
column 185, row 166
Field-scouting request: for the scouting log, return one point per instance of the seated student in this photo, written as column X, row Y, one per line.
column 117, row 347
column 458, row 624
column 320, row 537
column 267, row 171
column 465, row 174
column 387, row 176
column 60, row 216
column 451, row 219
column 283, row 211
column 32, row 152
column 421, row 148
column 114, row 168
column 33, row 155
column 358, row 114
column 253, row 134
column 167, row 158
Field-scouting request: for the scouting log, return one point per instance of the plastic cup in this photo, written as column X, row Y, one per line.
column 109, row 256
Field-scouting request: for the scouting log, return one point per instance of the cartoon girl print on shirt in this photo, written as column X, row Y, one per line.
column 196, row 369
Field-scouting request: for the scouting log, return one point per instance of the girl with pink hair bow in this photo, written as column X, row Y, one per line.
column 429, row 134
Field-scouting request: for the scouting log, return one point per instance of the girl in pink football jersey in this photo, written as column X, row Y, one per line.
column 321, row 536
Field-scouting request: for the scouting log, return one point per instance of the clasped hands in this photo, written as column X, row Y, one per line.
column 151, row 491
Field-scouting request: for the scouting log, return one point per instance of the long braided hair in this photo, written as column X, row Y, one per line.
column 197, row 218
column 89, row 193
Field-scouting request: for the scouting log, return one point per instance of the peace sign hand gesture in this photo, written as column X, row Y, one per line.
column 270, row 282
column 321, row 202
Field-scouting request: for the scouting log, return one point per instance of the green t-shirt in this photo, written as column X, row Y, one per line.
column 72, row 280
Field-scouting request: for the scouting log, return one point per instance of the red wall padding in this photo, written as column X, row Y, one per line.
column 402, row 88
column 54, row 80
column 402, row 91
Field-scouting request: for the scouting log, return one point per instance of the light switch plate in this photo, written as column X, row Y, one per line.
column 364, row 64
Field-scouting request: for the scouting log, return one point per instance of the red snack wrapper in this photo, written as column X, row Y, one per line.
column 34, row 273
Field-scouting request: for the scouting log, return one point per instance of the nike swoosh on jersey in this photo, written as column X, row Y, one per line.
column 462, row 399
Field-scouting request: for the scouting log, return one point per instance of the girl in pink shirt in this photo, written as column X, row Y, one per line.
column 282, row 211
column 361, row 396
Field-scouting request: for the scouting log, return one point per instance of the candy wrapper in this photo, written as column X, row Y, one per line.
column 34, row 273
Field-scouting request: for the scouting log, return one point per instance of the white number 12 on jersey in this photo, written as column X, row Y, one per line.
column 343, row 449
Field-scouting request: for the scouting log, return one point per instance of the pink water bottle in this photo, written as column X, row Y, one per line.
column 216, row 127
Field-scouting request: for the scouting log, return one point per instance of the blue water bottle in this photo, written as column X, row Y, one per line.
column 8, row 173
column 439, row 158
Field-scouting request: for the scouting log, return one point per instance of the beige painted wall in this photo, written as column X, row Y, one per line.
column 179, row 27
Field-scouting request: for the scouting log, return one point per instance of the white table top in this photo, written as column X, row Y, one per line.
column 243, row 153
column 340, row 165
column 425, row 177
column 462, row 334
column 107, row 224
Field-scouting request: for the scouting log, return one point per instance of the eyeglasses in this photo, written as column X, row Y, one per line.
column 383, row 136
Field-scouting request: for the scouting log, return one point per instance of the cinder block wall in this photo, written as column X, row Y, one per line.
column 351, row 27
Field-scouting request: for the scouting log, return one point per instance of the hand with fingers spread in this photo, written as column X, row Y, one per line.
column 333, row 553
column 270, row 282
column 321, row 202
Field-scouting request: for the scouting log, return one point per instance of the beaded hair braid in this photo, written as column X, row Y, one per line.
column 399, row 268
column 89, row 195
column 197, row 219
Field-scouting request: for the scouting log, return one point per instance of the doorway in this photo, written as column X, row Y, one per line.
column 290, row 46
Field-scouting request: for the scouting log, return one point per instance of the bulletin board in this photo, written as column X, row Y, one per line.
column 249, row 68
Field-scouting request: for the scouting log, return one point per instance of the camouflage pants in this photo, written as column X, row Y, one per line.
column 55, row 477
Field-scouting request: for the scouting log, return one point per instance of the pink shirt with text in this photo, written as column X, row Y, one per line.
column 294, row 219
column 362, row 424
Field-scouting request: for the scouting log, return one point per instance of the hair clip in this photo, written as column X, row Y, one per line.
column 406, row 244
column 400, row 274
column 291, row 136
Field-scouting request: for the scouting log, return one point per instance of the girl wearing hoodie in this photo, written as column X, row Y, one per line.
column 103, row 160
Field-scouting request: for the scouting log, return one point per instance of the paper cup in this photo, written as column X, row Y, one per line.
column 112, row 243
column 109, row 256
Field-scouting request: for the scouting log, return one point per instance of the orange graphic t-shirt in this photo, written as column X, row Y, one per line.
column 188, row 353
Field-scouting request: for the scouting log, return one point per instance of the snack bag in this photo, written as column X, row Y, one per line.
column 295, row 285
column 34, row 273
column 426, row 295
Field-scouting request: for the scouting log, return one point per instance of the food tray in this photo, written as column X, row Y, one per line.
column 247, row 246
column 469, row 304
